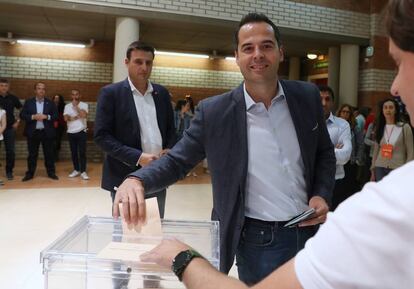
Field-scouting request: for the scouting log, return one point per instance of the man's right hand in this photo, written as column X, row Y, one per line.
column 131, row 194
column 146, row 159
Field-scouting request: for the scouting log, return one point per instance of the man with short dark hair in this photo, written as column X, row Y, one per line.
column 39, row 113
column 340, row 134
column 145, row 105
column 9, row 102
column 269, row 155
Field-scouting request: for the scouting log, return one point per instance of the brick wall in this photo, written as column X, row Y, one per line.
column 376, row 73
column 291, row 14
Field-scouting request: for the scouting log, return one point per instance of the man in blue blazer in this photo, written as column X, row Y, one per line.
column 134, row 122
column 269, row 154
column 39, row 113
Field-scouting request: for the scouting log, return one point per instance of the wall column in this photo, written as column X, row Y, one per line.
column 333, row 72
column 348, row 74
column 294, row 68
column 126, row 32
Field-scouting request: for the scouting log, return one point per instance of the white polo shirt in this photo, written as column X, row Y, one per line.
column 78, row 125
column 367, row 242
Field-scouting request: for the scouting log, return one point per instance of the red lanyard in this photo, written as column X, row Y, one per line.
column 388, row 136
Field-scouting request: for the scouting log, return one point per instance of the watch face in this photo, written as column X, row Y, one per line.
column 180, row 260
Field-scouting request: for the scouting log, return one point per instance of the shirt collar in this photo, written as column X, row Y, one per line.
column 250, row 102
column 331, row 118
column 150, row 89
column 40, row 100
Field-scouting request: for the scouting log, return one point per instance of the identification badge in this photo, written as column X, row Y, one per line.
column 386, row 151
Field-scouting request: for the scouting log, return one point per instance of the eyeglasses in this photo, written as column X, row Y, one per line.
column 345, row 111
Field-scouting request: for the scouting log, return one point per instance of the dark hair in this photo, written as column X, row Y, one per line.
column 400, row 23
column 365, row 110
column 179, row 105
column 254, row 17
column 351, row 119
column 139, row 45
column 61, row 102
column 380, row 122
column 190, row 100
column 3, row 80
column 323, row 88
column 39, row 82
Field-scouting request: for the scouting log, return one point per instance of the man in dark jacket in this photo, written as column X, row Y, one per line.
column 269, row 154
column 134, row 122
column 39, row 113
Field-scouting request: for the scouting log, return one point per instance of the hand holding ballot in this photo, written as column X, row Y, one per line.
column 131, row 195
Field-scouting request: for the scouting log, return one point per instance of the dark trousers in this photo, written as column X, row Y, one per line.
column 346, row 187
column 33, row 143
column 58, row 141
column 9, row 143
column 380, row 173
column 264, row 246
column 77, row 142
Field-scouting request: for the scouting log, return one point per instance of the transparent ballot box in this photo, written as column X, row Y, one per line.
column 71, row 262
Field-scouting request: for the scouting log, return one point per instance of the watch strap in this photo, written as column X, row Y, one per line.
column 182, row 260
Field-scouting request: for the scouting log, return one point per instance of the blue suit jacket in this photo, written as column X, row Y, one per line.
column 219, row 132
column 29, row 109
column 117, row 129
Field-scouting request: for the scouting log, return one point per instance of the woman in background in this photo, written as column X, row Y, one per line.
column 3, row 124
column 59, row 124
column 393, row 141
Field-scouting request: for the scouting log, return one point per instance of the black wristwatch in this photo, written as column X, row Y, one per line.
column 182, row 260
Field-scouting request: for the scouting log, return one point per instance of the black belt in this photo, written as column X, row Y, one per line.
column 248, row 220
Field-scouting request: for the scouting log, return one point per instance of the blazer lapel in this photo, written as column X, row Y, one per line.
column 133, row 114
column 240, row 134
column 158, row 111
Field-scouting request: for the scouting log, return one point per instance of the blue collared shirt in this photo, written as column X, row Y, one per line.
column 275, row 184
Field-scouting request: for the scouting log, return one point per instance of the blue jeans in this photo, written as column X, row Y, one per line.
column 264, row 246
column 380, row 173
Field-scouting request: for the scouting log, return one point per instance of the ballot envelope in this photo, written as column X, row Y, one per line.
column 95, row 253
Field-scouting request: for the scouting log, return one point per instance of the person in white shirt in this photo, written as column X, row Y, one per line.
column 368, row 241
column 341, row 137
column 3, row 124
column 76, row 114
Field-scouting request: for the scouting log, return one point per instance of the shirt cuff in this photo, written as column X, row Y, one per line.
column 137, row 164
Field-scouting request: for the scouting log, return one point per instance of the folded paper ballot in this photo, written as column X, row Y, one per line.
column 306, row 215
column 152, row 225
column 136, row 239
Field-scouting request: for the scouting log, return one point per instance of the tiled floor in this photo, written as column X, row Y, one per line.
column 34, row 214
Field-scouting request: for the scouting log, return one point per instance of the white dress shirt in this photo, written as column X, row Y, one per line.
column 367, row 242
column 40, row 104
column 275, row 183
column 151, row 140
column 340, row 133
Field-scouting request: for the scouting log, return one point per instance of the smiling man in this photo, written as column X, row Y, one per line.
column 269, row 155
